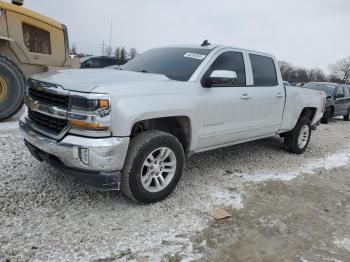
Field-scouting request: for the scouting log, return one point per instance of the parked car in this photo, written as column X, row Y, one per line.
column 131, row 128
column 338, row 99
column 99, row 62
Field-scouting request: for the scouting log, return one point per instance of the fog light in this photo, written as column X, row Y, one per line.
column 84, row 155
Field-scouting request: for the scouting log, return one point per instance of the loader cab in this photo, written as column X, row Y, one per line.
column 30, row 43
column 32, row 38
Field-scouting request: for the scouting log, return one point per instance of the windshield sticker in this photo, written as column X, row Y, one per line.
column 195, row 56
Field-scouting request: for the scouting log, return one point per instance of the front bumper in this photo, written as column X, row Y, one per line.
column 95, row 161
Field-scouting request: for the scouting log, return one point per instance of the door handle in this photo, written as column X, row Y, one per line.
column 279, row 94
column 245, row 96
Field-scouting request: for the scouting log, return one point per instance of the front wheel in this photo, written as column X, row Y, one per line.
column 347, row 117
column 297, row 140
column 153, row 167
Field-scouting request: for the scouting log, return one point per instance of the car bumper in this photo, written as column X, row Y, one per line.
column 95, row 161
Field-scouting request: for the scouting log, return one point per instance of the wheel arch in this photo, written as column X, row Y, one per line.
column 178, row 126
column 309, row 113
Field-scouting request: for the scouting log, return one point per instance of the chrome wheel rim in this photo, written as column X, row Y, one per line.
column 303, row 136
column 3, row 88
column 158, row 170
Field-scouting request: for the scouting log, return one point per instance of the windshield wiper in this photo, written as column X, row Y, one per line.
column 143, row 71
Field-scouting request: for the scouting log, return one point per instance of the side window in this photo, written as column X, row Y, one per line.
column 93, row 63
column 264, row 70
column 347, row 91
column 231, row 61
column 106, row 62
column 340, row 92
column 36, row 40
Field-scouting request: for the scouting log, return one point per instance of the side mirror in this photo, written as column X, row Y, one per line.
column 220, row 77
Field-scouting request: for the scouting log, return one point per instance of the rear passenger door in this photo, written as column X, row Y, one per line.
column 268, row 97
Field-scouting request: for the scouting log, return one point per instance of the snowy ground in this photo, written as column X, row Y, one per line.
column 45, row 216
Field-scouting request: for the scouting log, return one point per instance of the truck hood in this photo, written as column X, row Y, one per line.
column 86, row 80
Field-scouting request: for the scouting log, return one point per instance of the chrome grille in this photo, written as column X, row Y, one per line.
column 49, row 98
column 51, row 124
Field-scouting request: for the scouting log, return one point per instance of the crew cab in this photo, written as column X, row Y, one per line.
column 131, row 128
column 338, row 99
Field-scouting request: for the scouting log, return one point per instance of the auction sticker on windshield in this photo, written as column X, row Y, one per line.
column 195, row 56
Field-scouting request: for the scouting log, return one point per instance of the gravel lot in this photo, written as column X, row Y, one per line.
column 275, row 198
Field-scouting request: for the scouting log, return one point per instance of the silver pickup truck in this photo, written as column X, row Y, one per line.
column 131, row 128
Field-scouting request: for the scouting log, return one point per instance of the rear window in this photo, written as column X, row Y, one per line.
column 36, row 40
column 264, row 70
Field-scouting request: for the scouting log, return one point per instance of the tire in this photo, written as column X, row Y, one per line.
column 12, row 88
column 325, row 118
column 291, row 140
column 347, row 117
column 134, row 182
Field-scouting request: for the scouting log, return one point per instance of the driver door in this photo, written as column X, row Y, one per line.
column 224, row 107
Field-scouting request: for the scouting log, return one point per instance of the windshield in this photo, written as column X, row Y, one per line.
column 328, row 88
column 176, row 63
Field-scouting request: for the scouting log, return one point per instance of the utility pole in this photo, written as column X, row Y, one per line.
column 110, row 37
column 103, row 47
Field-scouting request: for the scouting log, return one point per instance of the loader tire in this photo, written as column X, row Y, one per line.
column 12, row 88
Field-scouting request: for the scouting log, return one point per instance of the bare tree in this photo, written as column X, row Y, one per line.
column 316, row 75
column 341, row 69
column 302, row 75
column 123, row 54
column 286, row 70
column 108, row 51
column 132, row 53
column 117, row 53
column 334, row 79
column 73, row 50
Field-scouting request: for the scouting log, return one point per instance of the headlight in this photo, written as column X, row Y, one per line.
column 89, row 112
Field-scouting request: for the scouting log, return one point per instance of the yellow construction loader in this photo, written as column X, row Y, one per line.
column 30, row 43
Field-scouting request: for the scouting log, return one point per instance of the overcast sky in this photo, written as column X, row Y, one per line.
column 310, row 33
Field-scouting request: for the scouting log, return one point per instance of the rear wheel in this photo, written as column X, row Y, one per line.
column 347, row 117
column 12, row 88
column 153, row 166
column 326, row 115
column 297, row 140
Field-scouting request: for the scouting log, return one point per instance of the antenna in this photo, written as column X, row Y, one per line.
column 205, row 43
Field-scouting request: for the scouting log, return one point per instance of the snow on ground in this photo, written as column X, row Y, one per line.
column 332, row 161
column 344, row 243
column 45, row 216
column 9, row 125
